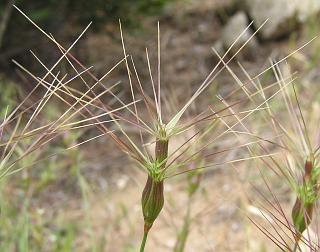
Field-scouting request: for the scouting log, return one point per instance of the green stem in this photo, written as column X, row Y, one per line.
column 184, row 232
column 296, row 247
column 143, row 242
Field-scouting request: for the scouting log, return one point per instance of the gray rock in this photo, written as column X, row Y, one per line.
column 282, row 15
column 219, row 47
column 236, row 25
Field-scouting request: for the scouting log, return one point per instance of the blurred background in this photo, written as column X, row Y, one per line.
column 85, row 200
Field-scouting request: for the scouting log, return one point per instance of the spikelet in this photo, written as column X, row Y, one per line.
column 302, row 210
column 152, row 199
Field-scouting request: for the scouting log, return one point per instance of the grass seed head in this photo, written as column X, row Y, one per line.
column 152, row 196
column 302, row 210
column 301, row 216
column 152, row 202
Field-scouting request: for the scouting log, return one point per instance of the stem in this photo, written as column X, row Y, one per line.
column 183, row 235
column 296, row 246
column 143, row 242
